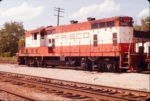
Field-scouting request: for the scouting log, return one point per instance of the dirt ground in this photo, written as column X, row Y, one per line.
column 30, row 92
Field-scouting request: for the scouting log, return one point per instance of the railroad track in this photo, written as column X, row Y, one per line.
column 76, row 90
column 23, row 97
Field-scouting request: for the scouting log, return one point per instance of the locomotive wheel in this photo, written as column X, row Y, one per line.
column 53, row 66
column 31, row 63
column 100, row 67
column 148, row 66
column 26, row 62
column 39, row 63
column 67, row 63
column 44, row 64
column 89, row 67
column 111, row 68
column 117, row 69
column 84, row 66
column 21, row 61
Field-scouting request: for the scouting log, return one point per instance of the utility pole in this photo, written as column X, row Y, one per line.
column 149, row 15
column 59, row 10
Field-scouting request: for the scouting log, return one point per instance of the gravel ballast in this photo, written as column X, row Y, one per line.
column 135, row 81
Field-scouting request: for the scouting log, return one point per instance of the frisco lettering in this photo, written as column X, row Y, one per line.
column 73, row 36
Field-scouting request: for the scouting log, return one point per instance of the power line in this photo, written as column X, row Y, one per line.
column 59, row 10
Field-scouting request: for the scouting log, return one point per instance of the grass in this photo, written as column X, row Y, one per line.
column 8, row 59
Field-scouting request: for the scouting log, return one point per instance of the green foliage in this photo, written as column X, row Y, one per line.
column 6, row 54
column 8, row 59
column 145, row 23
column 9, row 37
column 137, row 28
column 21, row 42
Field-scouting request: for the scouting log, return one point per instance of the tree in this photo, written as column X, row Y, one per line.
column 21, row 42
column 9, row 37
column 137, row 27
column 145, row 23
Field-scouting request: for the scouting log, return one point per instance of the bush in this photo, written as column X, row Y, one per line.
column 8, row 59
column 6, row 54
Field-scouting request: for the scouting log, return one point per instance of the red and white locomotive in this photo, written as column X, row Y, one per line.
column 101, row 45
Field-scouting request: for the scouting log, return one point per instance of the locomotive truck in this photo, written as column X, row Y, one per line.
column 101, row 45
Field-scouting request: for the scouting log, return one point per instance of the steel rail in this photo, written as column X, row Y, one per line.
column 70, row 90
column 18, row 95
column 131, row 91
column 86, row 92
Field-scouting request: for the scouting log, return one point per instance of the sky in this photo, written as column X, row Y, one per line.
column 36, row 13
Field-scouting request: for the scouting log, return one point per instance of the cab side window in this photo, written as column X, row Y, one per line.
column 42, row 34
column 35, row 36
column 95, row 40
column 114, row 39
